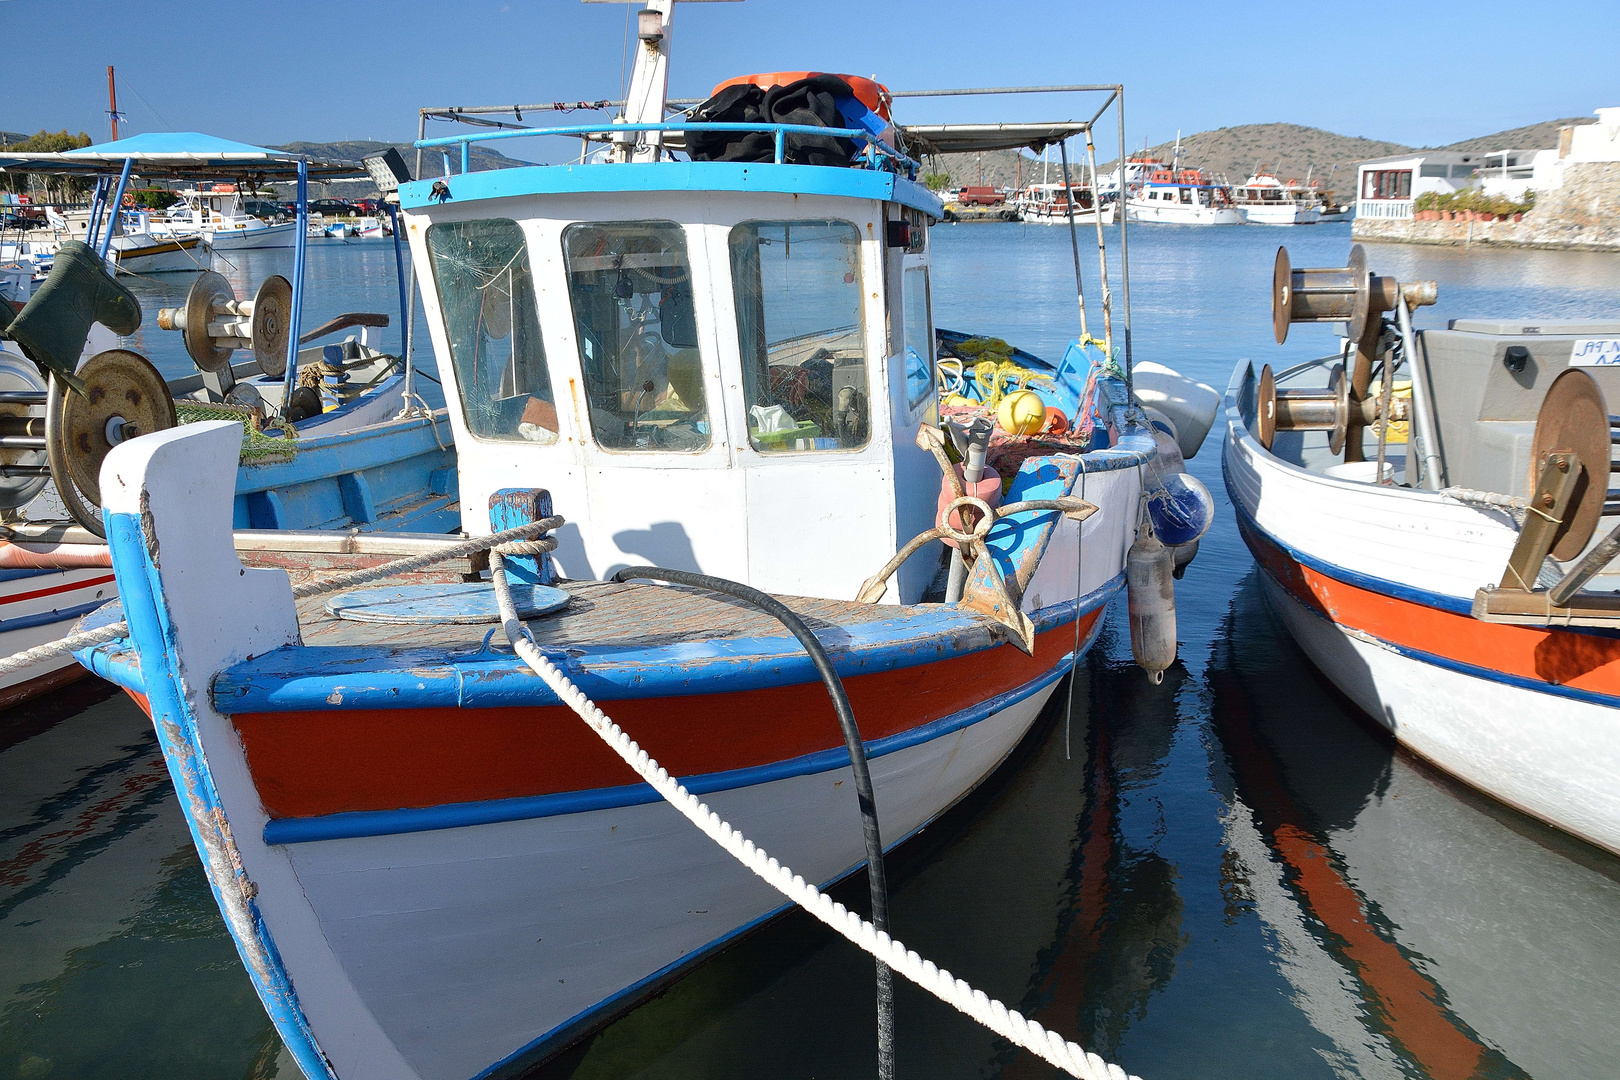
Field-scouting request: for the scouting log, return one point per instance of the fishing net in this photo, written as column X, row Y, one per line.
column 258, row 448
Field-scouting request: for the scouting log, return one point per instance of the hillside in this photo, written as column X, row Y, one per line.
column 432, row 163
column 1288, row 150
column 1542, row 136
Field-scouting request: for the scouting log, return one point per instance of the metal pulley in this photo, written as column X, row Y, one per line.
column 215, row 323
column 24, row 471
column 124, row 397
column 1574, row 419
column 1347, row 294
column 1303, row 410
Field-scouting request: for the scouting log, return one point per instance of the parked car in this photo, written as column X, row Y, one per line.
column 981, row 196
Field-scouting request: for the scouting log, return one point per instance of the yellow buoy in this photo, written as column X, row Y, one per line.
column 1022, row 413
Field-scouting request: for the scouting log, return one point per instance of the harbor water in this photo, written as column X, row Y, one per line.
column 1231, row 875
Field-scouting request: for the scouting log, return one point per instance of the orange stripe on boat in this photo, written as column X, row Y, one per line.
column 306, row 764
column 1556, row 657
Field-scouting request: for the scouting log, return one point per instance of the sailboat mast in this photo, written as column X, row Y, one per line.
column 112, row 102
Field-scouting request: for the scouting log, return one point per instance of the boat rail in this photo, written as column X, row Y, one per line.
column 876, row 152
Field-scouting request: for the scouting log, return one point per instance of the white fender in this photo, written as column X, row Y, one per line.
column 1190, row 405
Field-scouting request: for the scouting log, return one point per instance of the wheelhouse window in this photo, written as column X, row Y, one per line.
column 919, row 331
column 631, row 287
column 802, row 334
column 481, row 269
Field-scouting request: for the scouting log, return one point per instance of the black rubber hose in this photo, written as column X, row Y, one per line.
column 875, row 876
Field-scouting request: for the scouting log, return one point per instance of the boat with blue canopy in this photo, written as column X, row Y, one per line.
column 710, row 489
column 335, row 439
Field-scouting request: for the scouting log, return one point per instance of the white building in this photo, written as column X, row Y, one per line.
column 1385, row 187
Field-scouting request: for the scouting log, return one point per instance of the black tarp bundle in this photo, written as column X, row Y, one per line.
column 812, row 102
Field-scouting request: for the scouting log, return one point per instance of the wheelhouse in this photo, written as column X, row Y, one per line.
column 710, row 365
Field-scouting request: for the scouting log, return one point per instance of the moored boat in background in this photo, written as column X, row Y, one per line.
column 1452, row 585
column 334, row 440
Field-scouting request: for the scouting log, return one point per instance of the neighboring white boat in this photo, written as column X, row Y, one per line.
column 1183, row 197
column 340, row 230
column 1265, row 200
column 146, row 253
column 1048, row 204
column 1424, row 601
column 217, row 213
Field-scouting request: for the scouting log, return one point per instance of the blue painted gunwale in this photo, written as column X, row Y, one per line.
column 654, row 176
column 140, row 593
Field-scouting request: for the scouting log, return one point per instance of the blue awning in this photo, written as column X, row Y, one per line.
column 175, row 155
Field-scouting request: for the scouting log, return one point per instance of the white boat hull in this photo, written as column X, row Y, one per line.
column 147, row 254
column 38, row 608
column 1280, row 214
column 1172, row 213
column 488, row 908
column 279, row 235
column 1044, row 216
column 1375, row 583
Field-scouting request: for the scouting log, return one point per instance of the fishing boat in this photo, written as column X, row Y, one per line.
column 133, row 247
column 1452, row 582
column 1266, row 200
column 1048, row 204
column 335, row 438
column 217, row 213
column 722, row 367
column 1183, row 197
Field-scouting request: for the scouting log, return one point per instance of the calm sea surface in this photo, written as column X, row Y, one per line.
column 1229, row 875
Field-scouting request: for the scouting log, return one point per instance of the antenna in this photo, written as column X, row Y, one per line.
column 649, row 82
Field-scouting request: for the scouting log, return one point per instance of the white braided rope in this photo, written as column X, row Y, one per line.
column 516, row 538
column 1008, row 1023
column 62, row 646
column 422, row 562
column 1485, row 498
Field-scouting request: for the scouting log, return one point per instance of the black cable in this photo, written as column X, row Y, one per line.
column 875, row 876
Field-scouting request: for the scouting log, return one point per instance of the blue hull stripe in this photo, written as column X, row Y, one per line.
column 46, row 618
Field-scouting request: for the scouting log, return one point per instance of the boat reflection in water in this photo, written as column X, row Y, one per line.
column 1423, row 929
column 113, row 958
column 1226, row 876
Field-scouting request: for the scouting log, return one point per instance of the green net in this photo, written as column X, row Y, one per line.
column 257, row 447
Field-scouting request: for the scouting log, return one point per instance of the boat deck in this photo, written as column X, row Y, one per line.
column 611, row 617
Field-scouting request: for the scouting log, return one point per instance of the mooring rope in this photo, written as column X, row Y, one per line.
column 517, row 537
column 1008, row 1023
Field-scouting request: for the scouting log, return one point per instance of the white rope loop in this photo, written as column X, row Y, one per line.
column 1006, row 1022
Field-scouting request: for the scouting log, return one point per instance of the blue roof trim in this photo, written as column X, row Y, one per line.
column 459, row 815
column 641, row 178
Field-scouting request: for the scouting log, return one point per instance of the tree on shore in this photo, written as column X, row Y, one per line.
column 56, row 188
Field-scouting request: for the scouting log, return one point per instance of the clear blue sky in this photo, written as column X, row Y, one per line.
column 1422, row 74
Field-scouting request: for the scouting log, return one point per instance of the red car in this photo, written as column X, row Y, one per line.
column 980, row 196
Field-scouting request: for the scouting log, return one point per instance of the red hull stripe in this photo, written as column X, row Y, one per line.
column 1563, row 661
column 315, row 763
column 88, row 583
